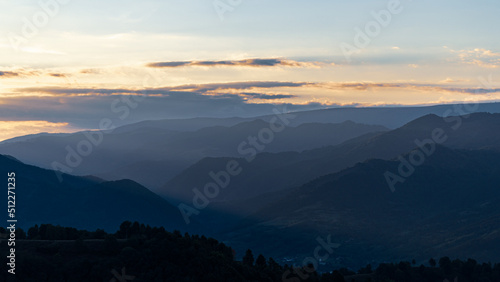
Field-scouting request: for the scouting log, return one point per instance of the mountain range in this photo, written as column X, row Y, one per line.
column 152, row 155
column 377, row 192
column 273, row 172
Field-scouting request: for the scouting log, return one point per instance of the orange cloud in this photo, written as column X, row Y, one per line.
column 11, row 129
column 22, row 73
column 261, row 62
column 363, row 86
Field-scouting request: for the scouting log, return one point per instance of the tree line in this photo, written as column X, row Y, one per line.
column 54, row 253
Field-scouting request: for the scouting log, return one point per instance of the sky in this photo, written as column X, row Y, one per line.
column 66, row 65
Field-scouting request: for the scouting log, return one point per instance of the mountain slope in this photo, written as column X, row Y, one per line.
column 446, row 207
column 272, row 173
column 84, row 202
column 152, row 155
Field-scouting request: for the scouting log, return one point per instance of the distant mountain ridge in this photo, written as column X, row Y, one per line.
column 152, row 156
column 271, row 172
column 153, row 152
column 390, row 116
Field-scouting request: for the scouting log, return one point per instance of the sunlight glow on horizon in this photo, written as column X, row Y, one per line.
column 427, row 53
column 11, row 129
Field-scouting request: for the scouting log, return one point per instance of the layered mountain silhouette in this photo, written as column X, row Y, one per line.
column 447, row 206
column 391, row 117
column 425, row 189
column 152, row 155
column 153, row 152
column 85, row 202
column 281, row 171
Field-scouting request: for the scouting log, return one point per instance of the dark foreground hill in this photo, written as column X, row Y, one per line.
column 134, row 253
column 137, row 252
column 83, row 202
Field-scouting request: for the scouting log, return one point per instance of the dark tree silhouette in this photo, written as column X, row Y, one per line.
column 153, row 254
column 261, row 261
column 248, row 258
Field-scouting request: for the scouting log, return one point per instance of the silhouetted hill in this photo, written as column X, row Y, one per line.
column 84, row 202
column 447, row 206
column 136, row 252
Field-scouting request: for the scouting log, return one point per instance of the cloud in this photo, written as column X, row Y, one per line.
column 268, row 96
column 210, row 87
column 8, row 74
column 247, row 90
column 23, row 73
column 202, row 89
column 11, row 129
column 85, row 107
column 90, row 71
column 475, row 91
column 19, row 72
column 62, row 91
column 479, row 56
column 88, row 111
column 363, row 86
column 267, row 62
column 58, row 74
column 452, row 80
